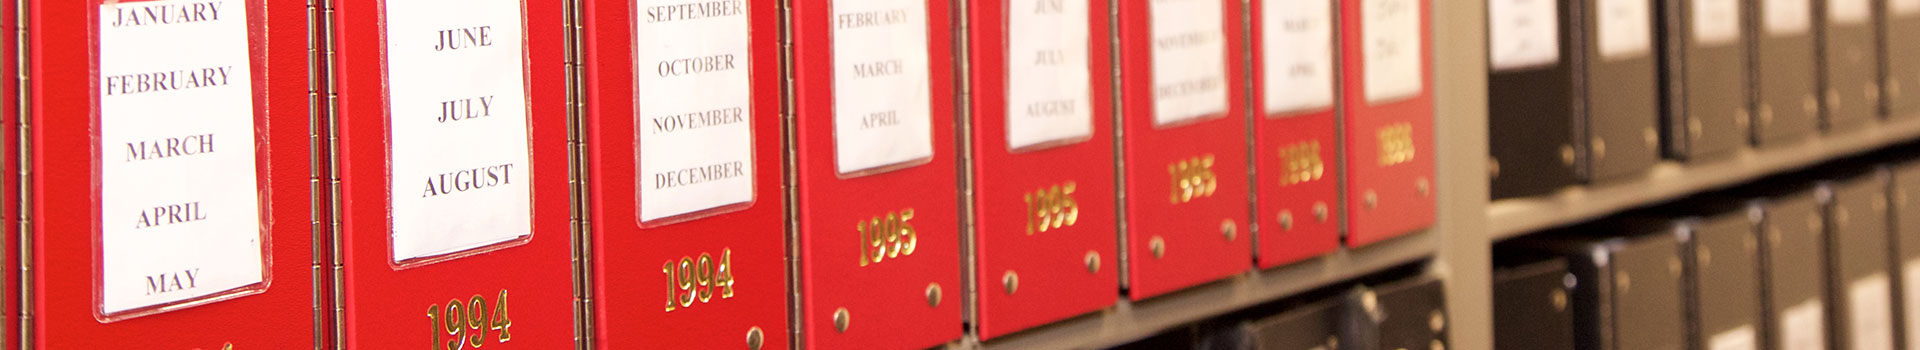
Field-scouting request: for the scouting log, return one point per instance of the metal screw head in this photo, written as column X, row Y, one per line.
column 1436, row 320
column 1559, row 297
column 1493, row 168
column 1704, row 255
column 1011, row 280
column 1372, row 199
column 1423, row 186
column 1370, row 302
column 1810, row 105
column 1333, row 343
column 1286, row 220
column 1566, row 154
column 1229, row 229
column 1093, row 262
column 1436, row 345
column 933, row 295
column 1598, row 148
column 754, row 338
column 1320, row 211
column 1158, row 246
column 840, row 319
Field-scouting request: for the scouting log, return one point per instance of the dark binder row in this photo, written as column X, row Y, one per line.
column 1383, row 312
column 1824, row 258
column 1576, row 97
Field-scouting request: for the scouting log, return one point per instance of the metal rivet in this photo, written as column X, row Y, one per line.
column 1229, row 229
column 1436, row 345
column 1810, row 104
column 1421, row 185
column 1093, row 262
column 1011, row 280
column 1566, row 154
column 1704, row 255
column 1373, row 199
column 1333, row 343
column 1436, row 320
column 1833, row 100
column 840, row 319
column 1493, row 168
column 754, row 338
column 1765, row 115
column 1370, row 302
column 1158, row 246
column 1599, row 148
column 933, row 295
column 1286, row 220
column 1320, row 211
column 1650, row 136
column 1622, row 282
column 1693, row 127
column 1559, row 297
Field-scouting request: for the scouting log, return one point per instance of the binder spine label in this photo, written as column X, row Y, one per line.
column 458, row 118
column 1849, row 12
column 1391, row 31
column 882, row 113
column 1189, row 62
column 179, row 183
column 1716, row 22
column 693, row 104
column 1049, row 98
column 1523, row 34
column 1299, row 56
column 1870, row 312
column 1626, row 28
column 1787, row 17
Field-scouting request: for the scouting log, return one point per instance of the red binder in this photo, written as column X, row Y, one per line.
column 171, row 197
column 1388, row 118
column 1296, row 162
column 686, row 170
column 1183, row 152
column 453, row 174
column 874, row 131
column 1042, row 172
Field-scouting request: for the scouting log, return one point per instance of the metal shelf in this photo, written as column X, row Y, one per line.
column 1127, row 321
column 1670, row 180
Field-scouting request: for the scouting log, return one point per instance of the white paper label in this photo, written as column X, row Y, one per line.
column 1524, row 33
column 179, row 192
column 694, row 106
column 1849, row 11
column 1803, row 327
column 1626, row 28
column 1787, row 17
column 1390, row 30
column 1716, row 21
column 1910, row 279
column 1298, row 37
column 882, row 113
column 458, row 112
column 1903, row 8
column 1189, row 60
column 1741, row 338
column 1048, row 81
column 1870, row 312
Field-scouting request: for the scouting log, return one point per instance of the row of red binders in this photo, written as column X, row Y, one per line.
column 826, row 174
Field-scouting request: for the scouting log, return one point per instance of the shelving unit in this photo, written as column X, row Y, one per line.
column 1458, row 247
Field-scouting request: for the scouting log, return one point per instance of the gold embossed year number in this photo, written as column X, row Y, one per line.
column 462, row 324
column 1302, row 162
column 1051, row 208
column 692, row 279
column 1396, row 143
column 1192, row 178
column 887, row 236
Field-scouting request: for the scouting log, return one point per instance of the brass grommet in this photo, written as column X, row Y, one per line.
column 1320, row 211
column 1421, row 185
column 1229, row 229
column 1566, row 154
column 1436, row 320
column 841, row 319
column 1093, row 262
column 1286, row 220
column 1011, row 280
column 1158, row 246
column 1559, row 297
column 1598, row 148
column 1372, row 199
column 755, row 338
column 933, row 295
